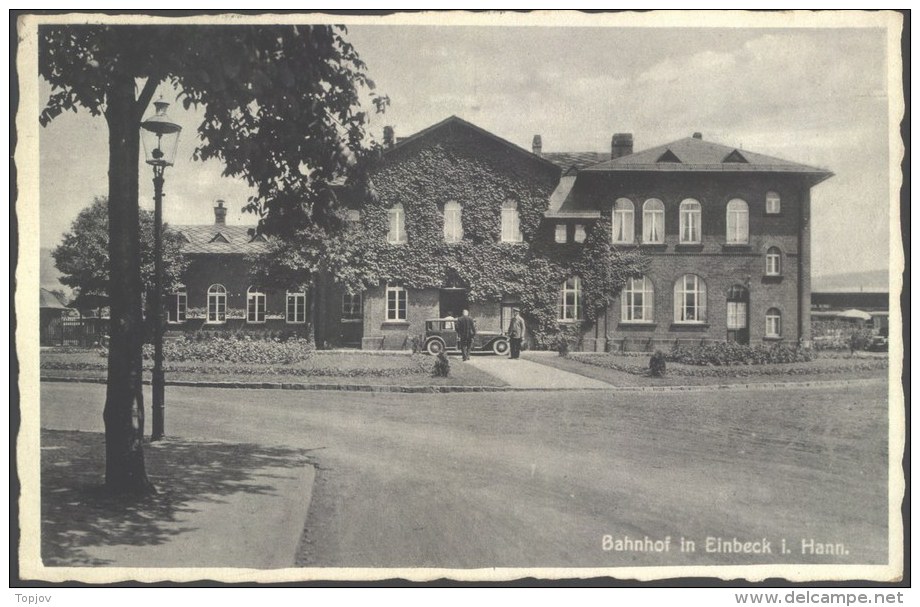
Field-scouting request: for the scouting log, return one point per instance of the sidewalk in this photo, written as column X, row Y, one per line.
column 522, row 373
column 218, row 505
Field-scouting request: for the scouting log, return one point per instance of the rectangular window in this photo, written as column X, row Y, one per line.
column 255, row 307
column 561, row 233
column 396, row 303
column 570, row 299
column 453, row 225
column 351, row 307
column 623, row 222
column 653, row 226
column 296, row 307
column 580, row 234
column 737, row 315
column 397, row 231
column 178, row 304
column 511, row 223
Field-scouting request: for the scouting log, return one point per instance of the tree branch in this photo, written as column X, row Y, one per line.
column 150, row 87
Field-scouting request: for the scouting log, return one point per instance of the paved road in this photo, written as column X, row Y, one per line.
column 538, row 479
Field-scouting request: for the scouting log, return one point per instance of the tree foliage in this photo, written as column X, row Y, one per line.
column 282, row 111
column 83, row 255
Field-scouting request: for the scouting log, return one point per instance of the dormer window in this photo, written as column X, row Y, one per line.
column 668, row 156
column 219, row 237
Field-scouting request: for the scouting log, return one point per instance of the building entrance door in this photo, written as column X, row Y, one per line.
column 452, row 302
column 737, row 315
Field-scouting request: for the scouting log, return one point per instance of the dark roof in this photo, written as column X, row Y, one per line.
column 695, row 155
column 578, row 160
column 456, row 120
column 219, row 239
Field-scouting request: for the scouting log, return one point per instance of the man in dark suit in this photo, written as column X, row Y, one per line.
column 516, row 333
column 466, row 329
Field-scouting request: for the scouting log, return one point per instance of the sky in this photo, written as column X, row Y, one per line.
column 814, row 96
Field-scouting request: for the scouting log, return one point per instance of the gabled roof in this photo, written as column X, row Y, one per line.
column 219, row 239
column 50, row 300
column 696, row 155
column 457, row 121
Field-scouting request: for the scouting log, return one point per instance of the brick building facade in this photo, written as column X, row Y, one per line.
column 725, row 231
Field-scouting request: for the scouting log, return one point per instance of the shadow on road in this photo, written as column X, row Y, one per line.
column 76, row 514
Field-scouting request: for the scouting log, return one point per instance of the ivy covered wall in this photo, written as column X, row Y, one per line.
column 457, row 162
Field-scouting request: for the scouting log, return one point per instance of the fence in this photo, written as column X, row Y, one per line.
column 78, row 332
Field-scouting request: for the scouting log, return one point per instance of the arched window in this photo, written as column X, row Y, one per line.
column 217, row 304
column 773, row 204
column 453, row 227
column 397, row 301
column 178, row 304
column 638, row 300
column 255, row 305
column 570, row 299
column 690, row 299
column 736, row 222
column 774, row 323
column 691, row 220
column 653, row 221
column 511, row 222
column 296, row 307
column 624, row 222
column 774, row 262
column 397, row 232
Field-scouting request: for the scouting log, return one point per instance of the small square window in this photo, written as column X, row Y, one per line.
column 773, row 204
column 580, row 234
column 561, row 233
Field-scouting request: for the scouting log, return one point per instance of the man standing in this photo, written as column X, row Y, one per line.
column 516, row 333
column 466, row 329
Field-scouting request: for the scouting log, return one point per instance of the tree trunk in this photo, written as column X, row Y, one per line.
column 316, row 312
column 124, row 402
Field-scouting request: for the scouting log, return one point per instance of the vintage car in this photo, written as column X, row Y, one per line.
column 441, row 335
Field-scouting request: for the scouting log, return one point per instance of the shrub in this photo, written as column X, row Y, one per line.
column 564, row 341
column 859, row 340
column 235, row 349
column 727, row 354
column 657, row 365
column 441, row 365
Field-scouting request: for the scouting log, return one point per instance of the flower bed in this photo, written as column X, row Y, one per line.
column 727, row 353
column 813, row 367
column 236, row 350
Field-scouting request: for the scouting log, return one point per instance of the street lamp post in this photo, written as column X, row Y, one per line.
column 161, row 138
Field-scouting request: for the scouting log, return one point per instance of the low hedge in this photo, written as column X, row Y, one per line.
column 727, row 354
column 608, row 361
column 236, row 350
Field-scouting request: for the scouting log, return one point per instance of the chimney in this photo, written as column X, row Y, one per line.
column 537, row 145
column 697, row 135
column 621, row 145
column 220, row 213
column 389, row 136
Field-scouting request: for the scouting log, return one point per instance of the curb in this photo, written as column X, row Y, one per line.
column 470, row 389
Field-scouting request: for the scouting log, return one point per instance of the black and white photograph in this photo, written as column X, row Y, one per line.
column 464, row 296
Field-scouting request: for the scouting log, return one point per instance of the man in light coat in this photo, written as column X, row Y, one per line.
column 516, row 333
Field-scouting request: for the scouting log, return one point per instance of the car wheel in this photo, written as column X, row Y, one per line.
column 434, row 347
column 500, row 347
